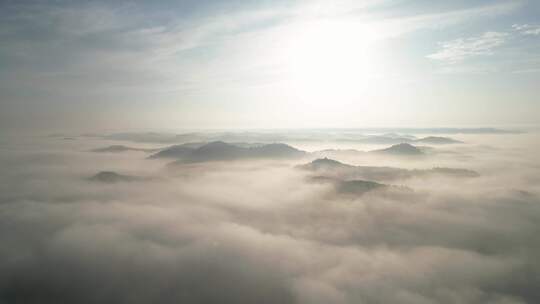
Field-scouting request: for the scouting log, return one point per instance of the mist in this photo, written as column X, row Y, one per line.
column 264, row 230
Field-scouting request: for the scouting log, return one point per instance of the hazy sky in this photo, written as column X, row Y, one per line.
column 264, row 64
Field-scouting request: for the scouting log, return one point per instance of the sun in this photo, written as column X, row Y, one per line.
column 329, row 59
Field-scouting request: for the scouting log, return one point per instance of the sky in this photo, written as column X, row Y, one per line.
column 102, row 65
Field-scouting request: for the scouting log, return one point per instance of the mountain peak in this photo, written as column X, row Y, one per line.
column 401, row 149
column 438, row 140
column 220, row 151
column 327, row 161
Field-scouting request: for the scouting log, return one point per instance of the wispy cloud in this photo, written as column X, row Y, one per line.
column 527, row 29
column 466, row 69
column 163, row 54
column 440, row 20
column 457, row 50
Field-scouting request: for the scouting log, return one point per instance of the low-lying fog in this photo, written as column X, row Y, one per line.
column 78, row 225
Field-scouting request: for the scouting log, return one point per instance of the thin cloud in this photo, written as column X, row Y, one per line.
column 435, row 21
column 457, row 50
column 527, row 29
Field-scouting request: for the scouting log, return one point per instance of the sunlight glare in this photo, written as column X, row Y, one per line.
column 332, row 60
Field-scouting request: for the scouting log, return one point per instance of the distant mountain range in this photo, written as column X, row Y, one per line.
column 218, row 151
column 222, row 151
column 438, row 130
column 436, row 140
column 383, row 136
column 397, row 150
column 335, row 169
column 390, row 139
column 120, row 148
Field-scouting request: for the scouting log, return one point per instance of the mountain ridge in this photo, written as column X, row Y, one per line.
column 219, row 150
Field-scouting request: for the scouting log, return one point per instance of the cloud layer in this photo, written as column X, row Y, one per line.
column 260, row 231
column 460, row 49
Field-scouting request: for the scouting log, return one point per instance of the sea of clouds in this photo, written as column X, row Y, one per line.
column 262, row 232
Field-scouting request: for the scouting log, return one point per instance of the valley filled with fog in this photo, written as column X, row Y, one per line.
column 325, row 216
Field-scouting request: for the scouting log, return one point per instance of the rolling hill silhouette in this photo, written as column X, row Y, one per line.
column 219, row 151
column 335, row 169
column 400, row 149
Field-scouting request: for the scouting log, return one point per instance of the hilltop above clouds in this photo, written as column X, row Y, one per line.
column 333, row 168
column 218, row 150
